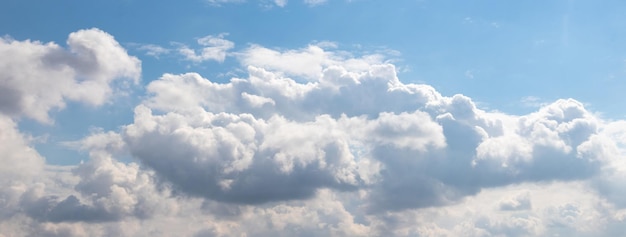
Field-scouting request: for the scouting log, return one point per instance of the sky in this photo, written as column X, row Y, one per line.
column 312, row 118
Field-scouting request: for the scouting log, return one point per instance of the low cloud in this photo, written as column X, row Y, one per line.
column 312, row 141
column 38, row 77
column 433, row 150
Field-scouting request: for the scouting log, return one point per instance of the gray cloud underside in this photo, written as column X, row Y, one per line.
column 433, row 150
column 311, row 142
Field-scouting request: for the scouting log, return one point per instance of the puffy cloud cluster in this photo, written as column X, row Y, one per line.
column 430, row 149
column 38, row 77
column 315, row 142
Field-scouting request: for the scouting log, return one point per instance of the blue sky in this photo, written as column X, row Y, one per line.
column 316, row 118
column 507, row 56
column 549, row 50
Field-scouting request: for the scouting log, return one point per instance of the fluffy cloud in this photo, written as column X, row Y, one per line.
column 243, row 169
column 38, row 77
column 21, row 164
column 315, row 142
column 433, row 150
column 413, row 147
column 308, row 62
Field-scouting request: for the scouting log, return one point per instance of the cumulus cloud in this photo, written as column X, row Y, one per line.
column 21, row 164
column 421, row 149
column 308, row 62
column 315, row 142
column 38, row 77
column 451, row 148
column 251, row 161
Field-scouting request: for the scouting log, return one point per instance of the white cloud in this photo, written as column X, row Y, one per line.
column 313, row 141
column 15, row 150
column 280, row 3
column 314, row 2
column 38, row 77
column 307, row 62
column 257, row 101
column 20, row 166
column 520, row 202
column 452, row 148
column 214, row 47
column 154, row 50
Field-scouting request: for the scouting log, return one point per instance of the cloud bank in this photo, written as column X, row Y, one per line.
column 312, row 141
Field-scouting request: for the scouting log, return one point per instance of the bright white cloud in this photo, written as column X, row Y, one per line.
column 307, row 62
column 38, row 77
column 313, row 141
column 452, row 149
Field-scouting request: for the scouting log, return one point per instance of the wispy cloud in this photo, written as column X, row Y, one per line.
column 154, row 50
column 213, row 47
